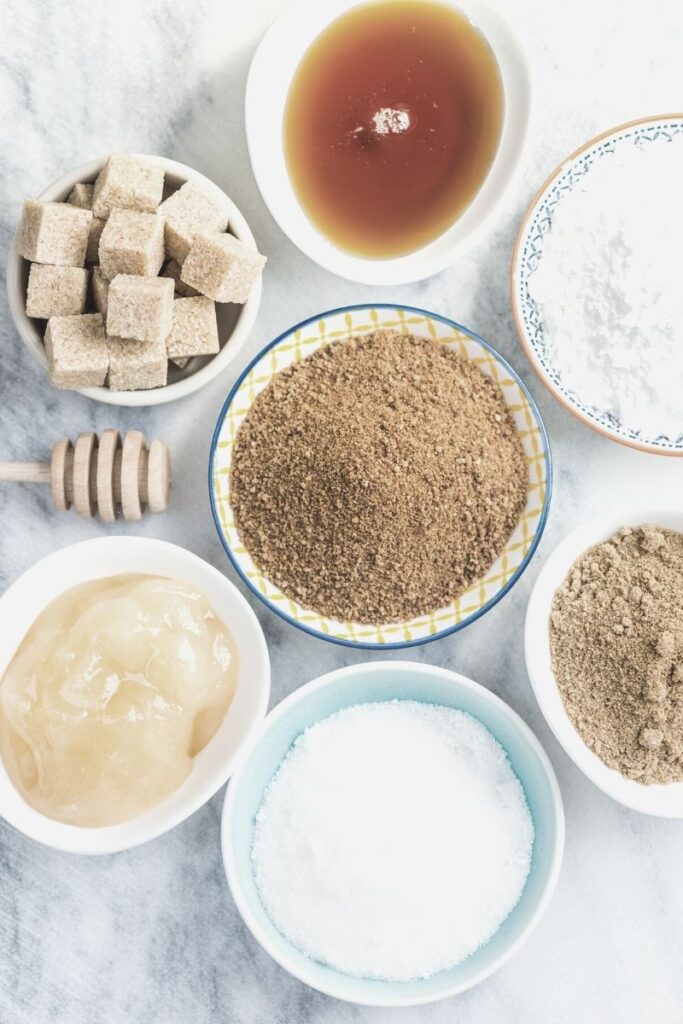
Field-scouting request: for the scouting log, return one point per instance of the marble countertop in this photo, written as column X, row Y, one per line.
column 152, row 935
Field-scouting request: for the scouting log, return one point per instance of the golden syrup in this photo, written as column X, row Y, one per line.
column 391, row 125
column 117, row 685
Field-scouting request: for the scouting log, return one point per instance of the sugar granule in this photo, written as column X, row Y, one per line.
column 391, row 121
column 393, row 840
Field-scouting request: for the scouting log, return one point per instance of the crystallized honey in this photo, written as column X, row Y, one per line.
column 118, row 684
column 391, row 124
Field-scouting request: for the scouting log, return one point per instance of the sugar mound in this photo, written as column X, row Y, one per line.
column 393, row 840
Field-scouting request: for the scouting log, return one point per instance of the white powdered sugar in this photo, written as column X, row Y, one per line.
column 393, row 840
column 609, row 287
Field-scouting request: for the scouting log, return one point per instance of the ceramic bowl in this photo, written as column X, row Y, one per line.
column 234, row 321
column 25, row 599
column 335, row 327
column 380, row 681
column 528, row 254
column 664, row 801
column 270, row 76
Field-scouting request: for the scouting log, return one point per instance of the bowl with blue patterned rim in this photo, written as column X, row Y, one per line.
column 335, row 327
column 528, row 253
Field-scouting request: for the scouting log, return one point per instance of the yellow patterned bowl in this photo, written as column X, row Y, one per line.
column 336, row 326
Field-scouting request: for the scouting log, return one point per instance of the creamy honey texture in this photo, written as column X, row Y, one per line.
column 117, row 685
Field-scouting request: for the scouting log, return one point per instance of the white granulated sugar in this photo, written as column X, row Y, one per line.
column 393, row 840
column 608, row 287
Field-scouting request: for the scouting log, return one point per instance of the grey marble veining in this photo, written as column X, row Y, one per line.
column 152, row 935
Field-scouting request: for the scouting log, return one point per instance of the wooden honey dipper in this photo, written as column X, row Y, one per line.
column 102, row 477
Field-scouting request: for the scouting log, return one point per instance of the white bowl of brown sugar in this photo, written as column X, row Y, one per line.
column 604, row 653
column 379, row 476
column 98, row 280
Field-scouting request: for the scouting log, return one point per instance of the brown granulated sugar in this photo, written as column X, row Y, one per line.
column 616, row 638
column 375, row 480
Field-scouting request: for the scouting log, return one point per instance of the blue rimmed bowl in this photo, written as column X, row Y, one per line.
column 528, row 254
column 382, row 681
column 334, row 327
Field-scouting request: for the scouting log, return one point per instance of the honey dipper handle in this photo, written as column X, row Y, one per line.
column 25, row 472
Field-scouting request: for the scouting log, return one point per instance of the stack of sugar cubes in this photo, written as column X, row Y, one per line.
column 156, row 270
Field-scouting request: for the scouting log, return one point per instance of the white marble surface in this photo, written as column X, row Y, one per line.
column 152, row 935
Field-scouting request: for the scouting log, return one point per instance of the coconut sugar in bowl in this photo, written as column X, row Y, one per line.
column 415, row 600
column 390, row 205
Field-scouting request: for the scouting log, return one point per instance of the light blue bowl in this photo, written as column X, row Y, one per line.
column 378, row 681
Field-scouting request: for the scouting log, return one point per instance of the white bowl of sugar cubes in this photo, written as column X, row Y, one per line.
column 133, row 280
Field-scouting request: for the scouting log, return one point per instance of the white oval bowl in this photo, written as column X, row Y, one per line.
column 270, row 75
column 380, row 681
column 234, row 321
column 664, row 801
column 25, row 599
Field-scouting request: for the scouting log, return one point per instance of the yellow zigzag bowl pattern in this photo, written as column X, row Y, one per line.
column 336, row 327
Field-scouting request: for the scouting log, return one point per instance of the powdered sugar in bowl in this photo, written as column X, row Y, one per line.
column 595, row 290
column 340, row 327
column 417, row 704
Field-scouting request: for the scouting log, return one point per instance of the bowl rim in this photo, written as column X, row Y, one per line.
column 330, row 679
column 509, row 51
column 542, row 519
column 515, row 262
column 622, row 790
column 246, row 317
column 126, row 835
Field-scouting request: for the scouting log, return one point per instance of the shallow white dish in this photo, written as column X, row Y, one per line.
column 270, row 75
column 665, row 801
column 381, row 681
column 234, row 321
column 527, row 254
column 21, row 604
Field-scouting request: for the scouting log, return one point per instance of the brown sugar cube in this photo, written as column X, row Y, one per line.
column 180, row 363
column 136, row 365
column 188, row 212
column 56, row 291
column 222, row 267
column 128, row 182
column 140, row 308
column 172, row 269
column 76, row 349
column 92, row 252
column 100, row 291
column 54, row 233
column 131, row 243
column 194, row 331
column 81, row 195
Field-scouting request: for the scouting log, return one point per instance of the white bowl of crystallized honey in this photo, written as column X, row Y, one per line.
column 106, row 561
column 385, row 135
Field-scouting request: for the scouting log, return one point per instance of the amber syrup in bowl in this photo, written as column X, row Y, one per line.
column 391, row 124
